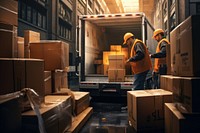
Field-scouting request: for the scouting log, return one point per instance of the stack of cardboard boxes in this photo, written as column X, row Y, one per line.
column 114, row 65
column 183, row 115
column 29, row 62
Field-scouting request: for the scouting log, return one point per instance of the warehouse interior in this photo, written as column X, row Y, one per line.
column 64, row 66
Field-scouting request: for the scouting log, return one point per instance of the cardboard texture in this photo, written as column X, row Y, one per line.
column 176, row 122
column 8, row 37
column 185, row 90
column 185, row 48
column 56, row 115
column 168, row 59
column 9, row 12
column 106, row 54
column 116, row 75
column 116, row 61
column 146, row 109
column 54, row 53
column 19, row 73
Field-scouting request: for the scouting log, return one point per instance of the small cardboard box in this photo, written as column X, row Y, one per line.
column 146, row 109
column 47, row 83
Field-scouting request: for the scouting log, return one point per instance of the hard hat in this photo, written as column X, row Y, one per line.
column 156, row 32
column 127, row 36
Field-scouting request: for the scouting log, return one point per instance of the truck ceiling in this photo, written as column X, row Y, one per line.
column 115, row 22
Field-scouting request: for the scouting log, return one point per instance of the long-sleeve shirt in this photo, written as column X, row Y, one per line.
column 162, row 53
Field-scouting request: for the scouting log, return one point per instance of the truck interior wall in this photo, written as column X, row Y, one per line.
column 95, row 42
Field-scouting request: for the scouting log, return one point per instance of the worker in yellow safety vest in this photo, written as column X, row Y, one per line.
column 139, row 60
column 160, row 67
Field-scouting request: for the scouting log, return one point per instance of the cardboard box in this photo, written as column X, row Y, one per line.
column 185, row 47
column 82, row 101
column 8, row 37
column 47, row 83
column 146, row 109
column 185, row 90
column 116, row 75
column 116, row 61
column 9, row 12
column 169, row 82
column 30, row 36
column 176, row 122
column 116, row 48
column 19, row 73
column 55, row 54
column 56, row 115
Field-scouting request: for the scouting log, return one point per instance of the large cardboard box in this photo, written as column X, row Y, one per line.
column 116, row 75
column 55, row 113
column 82, row 101
column 8, row 44
column 55, row 54
column 185, row 47
column 176, row 122
column 116, row 61
column 9, row 12
column 19, row 73
column 146, row 109
column 185, row 90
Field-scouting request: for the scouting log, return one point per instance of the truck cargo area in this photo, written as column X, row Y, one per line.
column 98, row 35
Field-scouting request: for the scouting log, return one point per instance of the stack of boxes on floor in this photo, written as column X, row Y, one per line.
column 174, row 108
column 28, row 62
column 183, row 115
column 114, row 64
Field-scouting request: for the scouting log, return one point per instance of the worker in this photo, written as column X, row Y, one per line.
column 139, row 60
column 160, row 67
